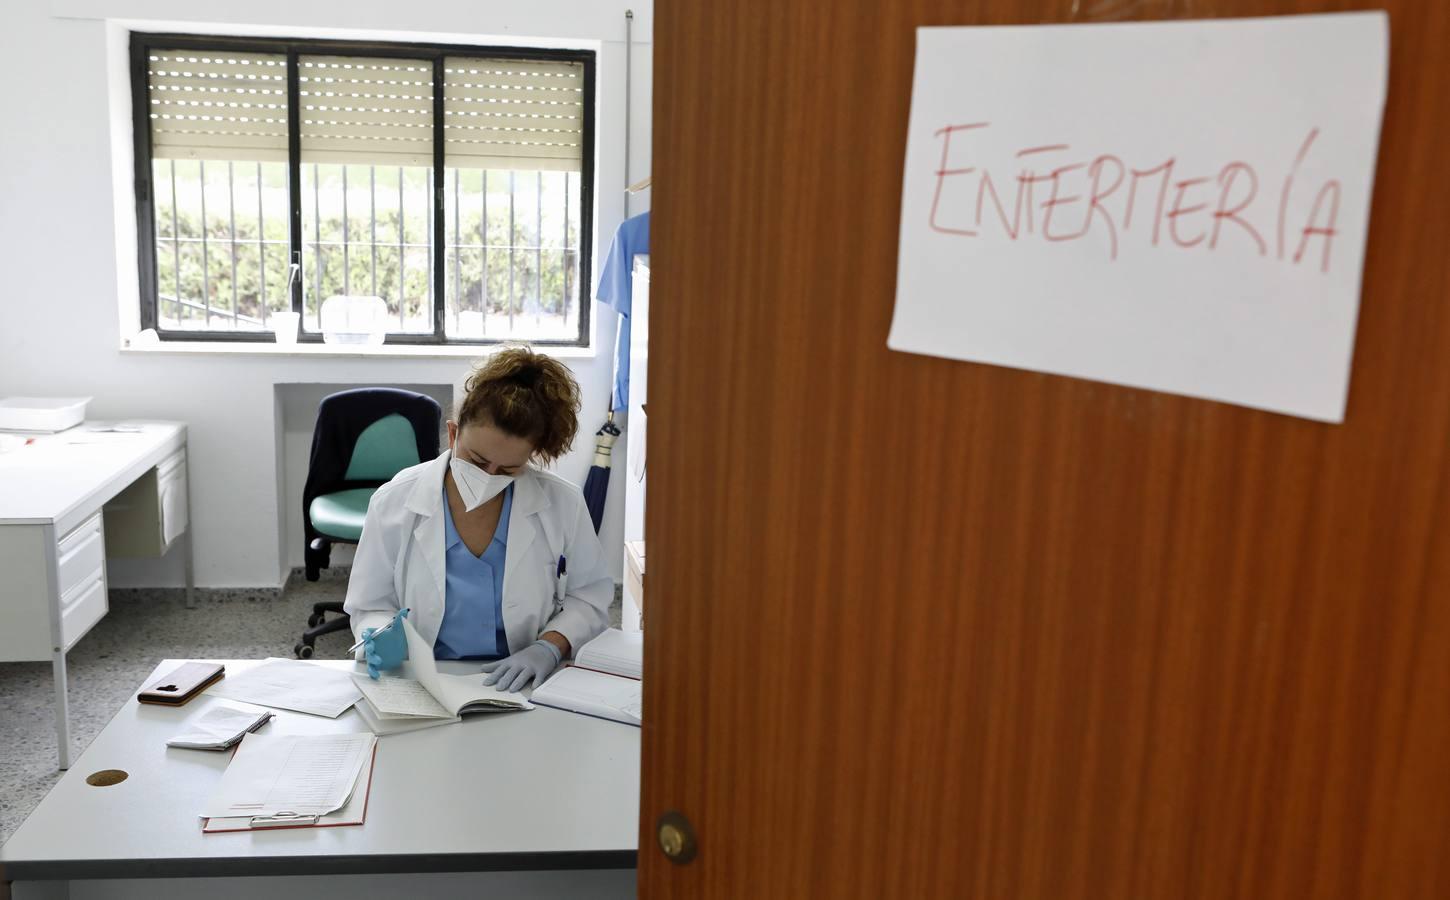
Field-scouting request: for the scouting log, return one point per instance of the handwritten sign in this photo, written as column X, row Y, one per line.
column 1178, row 206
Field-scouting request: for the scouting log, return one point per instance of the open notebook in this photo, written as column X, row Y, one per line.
column 423, row 697
column 603, row 682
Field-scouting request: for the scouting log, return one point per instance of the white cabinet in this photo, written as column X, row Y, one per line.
column 26, row 554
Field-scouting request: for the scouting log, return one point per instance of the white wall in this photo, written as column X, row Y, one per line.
column 67, row 246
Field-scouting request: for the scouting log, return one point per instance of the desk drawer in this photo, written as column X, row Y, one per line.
column 80, row 553
column 82, row 607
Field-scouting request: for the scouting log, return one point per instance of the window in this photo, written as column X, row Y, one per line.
column 453, row 183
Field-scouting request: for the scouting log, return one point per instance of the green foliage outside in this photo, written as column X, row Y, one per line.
column 255, row 259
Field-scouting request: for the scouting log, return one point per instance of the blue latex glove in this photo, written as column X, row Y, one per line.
column 531, row 664
column 388, row 649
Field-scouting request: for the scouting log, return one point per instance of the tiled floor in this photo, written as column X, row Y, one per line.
column 107, row 666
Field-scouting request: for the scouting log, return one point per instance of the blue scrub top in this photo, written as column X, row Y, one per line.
column 616, row 289
column 473, row 604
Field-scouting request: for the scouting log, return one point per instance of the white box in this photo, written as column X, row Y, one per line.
column 42, row 414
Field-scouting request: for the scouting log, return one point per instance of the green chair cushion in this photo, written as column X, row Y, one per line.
column 340, row 515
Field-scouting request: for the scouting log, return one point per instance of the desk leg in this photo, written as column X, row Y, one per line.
column 190, row 539
column 62, row 708
column 57, row 647
column 190, row 571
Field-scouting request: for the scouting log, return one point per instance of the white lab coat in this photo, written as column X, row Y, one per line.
column 400, row 559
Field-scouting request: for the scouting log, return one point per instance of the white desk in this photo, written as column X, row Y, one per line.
column 53, row 540
column 535, row 804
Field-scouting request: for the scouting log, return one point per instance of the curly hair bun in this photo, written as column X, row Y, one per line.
column 527, row 394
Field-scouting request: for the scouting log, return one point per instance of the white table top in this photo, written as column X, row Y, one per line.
column 65, row 476
column 543, row 789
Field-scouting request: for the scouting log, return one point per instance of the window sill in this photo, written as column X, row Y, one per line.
column 403, row 351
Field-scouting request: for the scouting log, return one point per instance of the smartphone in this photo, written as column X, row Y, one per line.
column 181, row 684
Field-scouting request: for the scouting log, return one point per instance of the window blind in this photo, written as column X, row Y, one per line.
column 367, row 110
column 513, row 114
column 217, row 105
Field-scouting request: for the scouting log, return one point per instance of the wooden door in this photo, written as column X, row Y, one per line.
column 922, row 628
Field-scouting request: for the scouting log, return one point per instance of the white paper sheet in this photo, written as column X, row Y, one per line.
column 291, row 684
column 1180, row 206
column 422, row 667
column 309, row 775
column 219, row 727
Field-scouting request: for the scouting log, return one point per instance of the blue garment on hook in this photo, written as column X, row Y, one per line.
column 616, row 289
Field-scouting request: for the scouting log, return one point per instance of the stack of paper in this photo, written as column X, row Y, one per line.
column 219, row 728
column 291, row 684
column 616, row 652
column 290, row 777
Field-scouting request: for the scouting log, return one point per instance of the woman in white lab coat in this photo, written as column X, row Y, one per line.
column 487, row 556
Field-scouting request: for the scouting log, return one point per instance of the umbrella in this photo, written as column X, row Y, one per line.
column 596, row 486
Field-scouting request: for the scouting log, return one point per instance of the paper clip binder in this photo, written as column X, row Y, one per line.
column 282, row 819
column 353, row 812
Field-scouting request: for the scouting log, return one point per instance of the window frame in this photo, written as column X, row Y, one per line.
column 142, row 43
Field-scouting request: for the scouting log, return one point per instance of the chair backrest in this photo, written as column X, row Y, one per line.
column 384, row 449
column 365, row 436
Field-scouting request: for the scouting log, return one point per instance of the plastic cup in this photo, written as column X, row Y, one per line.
column 284, row 325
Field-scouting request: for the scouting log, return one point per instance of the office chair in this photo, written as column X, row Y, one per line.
column 362, row 438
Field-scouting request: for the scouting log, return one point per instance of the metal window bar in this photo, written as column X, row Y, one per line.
column 192, row 304
column 205, row 259
column 346, row 272
column 317, row 243
column 457, row 249
column 517, row 287
column 470, row 245
column 232, row 216
column 539, row 240
column 402, row 260
column 261, row 250
column 430, row 230
column 512, row 239
column 531, row 243
column 175, row 242
column 373, row 217
column 483, row 267
column 197, row 240
column 564, row 306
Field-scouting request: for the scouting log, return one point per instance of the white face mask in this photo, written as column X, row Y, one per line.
column 476, row 486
